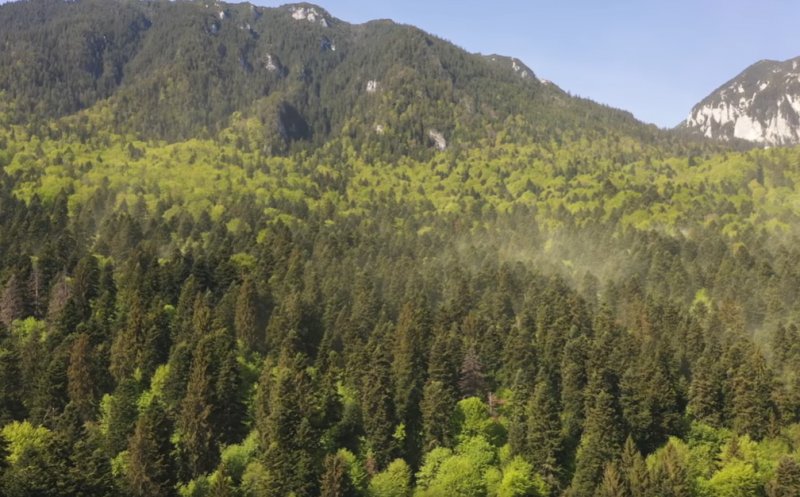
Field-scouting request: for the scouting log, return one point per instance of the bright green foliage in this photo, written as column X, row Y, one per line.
column 22, row 437
column 472, row 419
column 736, row 479
column 517, row 481
column 462, row 473
column 394, row 481
column 210, row 228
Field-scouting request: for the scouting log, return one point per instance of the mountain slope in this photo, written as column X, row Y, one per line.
column 761, row 105
column 293, row 74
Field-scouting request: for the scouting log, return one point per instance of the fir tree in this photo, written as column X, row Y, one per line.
column 544, row 430
column 600, row 443
column 151, row 470
column 335, row 480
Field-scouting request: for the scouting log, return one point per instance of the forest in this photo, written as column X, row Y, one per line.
column 562, row 302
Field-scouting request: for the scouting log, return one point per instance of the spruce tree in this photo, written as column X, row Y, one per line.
column 377, row 408
column 80, row 384
column 437, row 407
column 600, row 443
column 786, row 482
column 408, row 373
column 544, row 430
column 151, row 470
column 612, row 484
column 335, row 480
column 246, row 316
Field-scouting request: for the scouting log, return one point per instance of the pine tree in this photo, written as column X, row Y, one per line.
column 12, row 303
column 573, row 386
column 335, row 481
column 472, row 381
column 600, row 443
column 408, row 372
column 437, row 407
column 196, row 447
column 752, row 386
column 634, row 470
column 246, row 316
column 544, row 430
column 786, row 482
column 669, row 475
column 151, row 470
column 11, row 392
column 706, row 395
column 377, row 408
column 122, row 416
column 80, row 384
column 612, row 484
column 287, row 436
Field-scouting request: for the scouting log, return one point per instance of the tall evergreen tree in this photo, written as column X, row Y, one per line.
column 151, row 470
column 246, row 316
column 377, row 408
column 335, row 479
column 600, row 443
column 544, row 430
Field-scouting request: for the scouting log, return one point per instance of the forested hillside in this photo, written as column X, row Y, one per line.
column 256, row 271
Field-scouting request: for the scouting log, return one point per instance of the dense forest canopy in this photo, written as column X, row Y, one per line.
column 237, row 261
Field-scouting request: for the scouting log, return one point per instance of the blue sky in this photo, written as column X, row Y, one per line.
column 655, row 58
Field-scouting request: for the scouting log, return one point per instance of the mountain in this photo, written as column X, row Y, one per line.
column 291, row 75
column 760, row 105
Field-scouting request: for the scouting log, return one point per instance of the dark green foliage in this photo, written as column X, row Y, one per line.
column 377, row 408
column 544, row 430
column 335, row 481
column 786, row 482
column 151, row 470
column 600, row 442
column 122, row 415
column 228, row 269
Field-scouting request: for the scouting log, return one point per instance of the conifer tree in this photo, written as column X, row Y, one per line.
column 122, row 415
column 544, row 430
column 436, row 408
column 151, row 470
column 472, row 380
column 80, row 384
column 612, row 484
column 786, row 482
column 600, row 443
column 377, row 408
column 199, row 430
column 246, row 315
column 669, row 476
column 752, row 397
column 634, row 470
column 408, row 372
column 335, row 481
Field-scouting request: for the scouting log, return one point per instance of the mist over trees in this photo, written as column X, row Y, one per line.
column 563, row 301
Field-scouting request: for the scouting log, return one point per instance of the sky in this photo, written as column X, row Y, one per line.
column 654, row 58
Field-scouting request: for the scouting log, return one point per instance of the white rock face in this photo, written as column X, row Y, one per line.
column 438, row 139
column 520, row 69
column 372, row 86
column 379, row 129
column 760, row 105
column 309, row 14
column 270, row 64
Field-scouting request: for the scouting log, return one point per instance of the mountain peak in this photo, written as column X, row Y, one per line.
column 760, row 105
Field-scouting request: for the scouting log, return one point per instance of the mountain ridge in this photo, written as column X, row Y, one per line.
column 166, row 70
column 760, row 105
